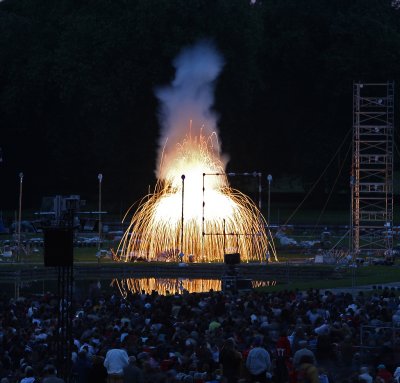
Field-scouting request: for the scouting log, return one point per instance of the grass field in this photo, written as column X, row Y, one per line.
column 344, row 276
column 362, row 276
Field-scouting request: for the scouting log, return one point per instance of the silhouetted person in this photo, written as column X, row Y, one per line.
column 307, row 371
column 231, row 362
column 51, row 375
column 97, row 372
column 132, row 373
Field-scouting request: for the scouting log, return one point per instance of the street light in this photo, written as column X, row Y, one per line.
column 181, row 254
column 21, row 177
column 100, row 178
column 269, row 178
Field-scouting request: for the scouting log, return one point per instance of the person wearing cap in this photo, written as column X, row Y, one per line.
column 384, row 374
column 132, row 373
column 258, row 362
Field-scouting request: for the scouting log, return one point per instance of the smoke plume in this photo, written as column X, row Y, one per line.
column 187, row 102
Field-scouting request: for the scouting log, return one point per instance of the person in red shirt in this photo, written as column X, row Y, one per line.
column 283, row 345
column 283, row 365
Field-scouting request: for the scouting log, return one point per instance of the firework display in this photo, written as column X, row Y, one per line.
column 193, row 214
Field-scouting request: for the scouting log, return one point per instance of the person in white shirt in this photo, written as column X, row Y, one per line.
column 364, row 376
column 258, row 362
column 115, row 362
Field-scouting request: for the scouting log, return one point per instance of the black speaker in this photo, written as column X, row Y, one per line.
column 58, row 247
column 244, row 284
column 232, row 259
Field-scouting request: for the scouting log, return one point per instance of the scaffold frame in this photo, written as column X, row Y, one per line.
column 372, row 168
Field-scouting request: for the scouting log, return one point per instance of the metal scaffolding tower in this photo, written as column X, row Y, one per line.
column 372, row 173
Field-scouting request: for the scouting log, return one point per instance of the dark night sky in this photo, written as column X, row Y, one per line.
column 78, row 81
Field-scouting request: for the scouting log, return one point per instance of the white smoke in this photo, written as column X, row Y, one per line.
column 189, row 99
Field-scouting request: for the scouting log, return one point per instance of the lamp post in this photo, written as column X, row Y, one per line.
column 21, row 177
column 100, row 178
column 181, row 254
column 269, row 179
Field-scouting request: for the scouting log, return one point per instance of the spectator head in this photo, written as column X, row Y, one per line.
column 303, row 343
column 257, row 341
column 132, row 359
column 306, row 359
column 143, row 356
column 229, row 344
column 357, row 355
column 50, row 370
column 364, row 370
column 28, row 371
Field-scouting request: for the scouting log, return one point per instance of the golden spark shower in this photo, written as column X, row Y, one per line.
column 193, row 214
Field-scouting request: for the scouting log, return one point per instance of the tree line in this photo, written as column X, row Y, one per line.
column 77, row 82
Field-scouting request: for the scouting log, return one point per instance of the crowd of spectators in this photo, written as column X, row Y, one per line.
column 287, row 336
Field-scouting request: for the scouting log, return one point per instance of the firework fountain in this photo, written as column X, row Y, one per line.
column 193, row 211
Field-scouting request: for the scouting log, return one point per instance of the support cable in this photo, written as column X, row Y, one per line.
column 332, row 188
column 319, row 179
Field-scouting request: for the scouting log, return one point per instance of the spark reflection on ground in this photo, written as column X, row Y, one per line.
column 165, row 286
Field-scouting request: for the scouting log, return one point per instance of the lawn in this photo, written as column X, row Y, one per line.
column 350, row 277
column 364, row 275
column 343, row 276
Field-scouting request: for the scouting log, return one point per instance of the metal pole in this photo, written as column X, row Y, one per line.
column 100, row 178
column 259, row 189
column 202, row 222
column 224, row 236
column 351, row 244
column 182, row 218
column 21, row 177
column 351, row 238
column 269, row 178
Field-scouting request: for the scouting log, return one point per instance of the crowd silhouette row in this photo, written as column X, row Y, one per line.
column 287, row 336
